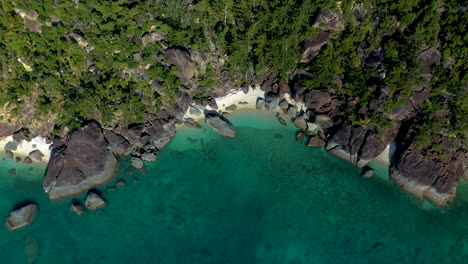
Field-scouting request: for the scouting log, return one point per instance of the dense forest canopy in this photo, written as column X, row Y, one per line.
column 79, row 60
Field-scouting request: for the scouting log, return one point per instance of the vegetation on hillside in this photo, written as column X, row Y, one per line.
column 86, row 59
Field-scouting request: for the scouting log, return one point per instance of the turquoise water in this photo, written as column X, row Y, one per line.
column 258, row 198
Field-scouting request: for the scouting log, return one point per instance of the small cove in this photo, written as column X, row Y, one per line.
column 259, row 198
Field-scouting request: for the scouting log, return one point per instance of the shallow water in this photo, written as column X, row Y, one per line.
column 258, row 198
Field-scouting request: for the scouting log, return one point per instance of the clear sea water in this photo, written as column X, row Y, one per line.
column 259, row 198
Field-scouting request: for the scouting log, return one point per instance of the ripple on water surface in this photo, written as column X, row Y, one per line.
column 258, row 198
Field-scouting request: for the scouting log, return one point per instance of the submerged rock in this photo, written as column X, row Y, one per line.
column 220, row 125
column 9, row 154
column 300, row 135
column 31, row 248
column 21, row 217
column 94, row 201
column 316, row 142
column 82, row 162
column 137, row 162
column 192, row 123
column 232, row 107
column 77, row 208
column 121, row 183
column 367, row 172
column 281, row 121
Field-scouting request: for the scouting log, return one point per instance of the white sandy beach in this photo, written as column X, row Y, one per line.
column 240, row 99
column 24, row 148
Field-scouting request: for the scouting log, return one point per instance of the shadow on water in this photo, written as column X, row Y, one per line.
column 23, row 203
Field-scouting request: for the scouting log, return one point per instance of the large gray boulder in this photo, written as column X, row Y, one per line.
column 312, row 46
column 137, row 162
column 21, row 217
column 220, row 125
column 271, row 101
column 182, row 60
column 82, row 162
column 260, row 103
column 319, row 101
column 36, row 155
column 11, row 145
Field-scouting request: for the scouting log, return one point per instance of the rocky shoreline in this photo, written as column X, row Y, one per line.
column 88, row 157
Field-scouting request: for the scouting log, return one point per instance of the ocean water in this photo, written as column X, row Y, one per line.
column 259, row 198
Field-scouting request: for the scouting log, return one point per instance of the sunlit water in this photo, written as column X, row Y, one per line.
column 259, row 198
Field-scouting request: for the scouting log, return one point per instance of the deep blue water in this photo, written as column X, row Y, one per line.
column 259, row 198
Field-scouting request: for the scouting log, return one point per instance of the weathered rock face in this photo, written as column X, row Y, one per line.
column 329, row 20
column 30, row 20
column 180, row 106
column 355, row 144
column 319, row 101
column 118, row 144
column 36, row 155
column 316, row 142
column 221, row 125
column 137, row 162
column 151, row 38
column 312, row 46
column 431, row 56
column 182, row 60
column 21, row 217
column 195, row 110
column 84, row 161
column 260, row 103
column 300, row 122
column 431, row 178
column 77, row 208
column 271, row 101
column 411, row 107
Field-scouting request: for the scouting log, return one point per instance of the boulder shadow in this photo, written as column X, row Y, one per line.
column 212, row 113
column 23, row 204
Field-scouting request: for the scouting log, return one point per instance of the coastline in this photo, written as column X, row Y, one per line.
column 25, row 147
column 247, row 101
column 241, row 100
